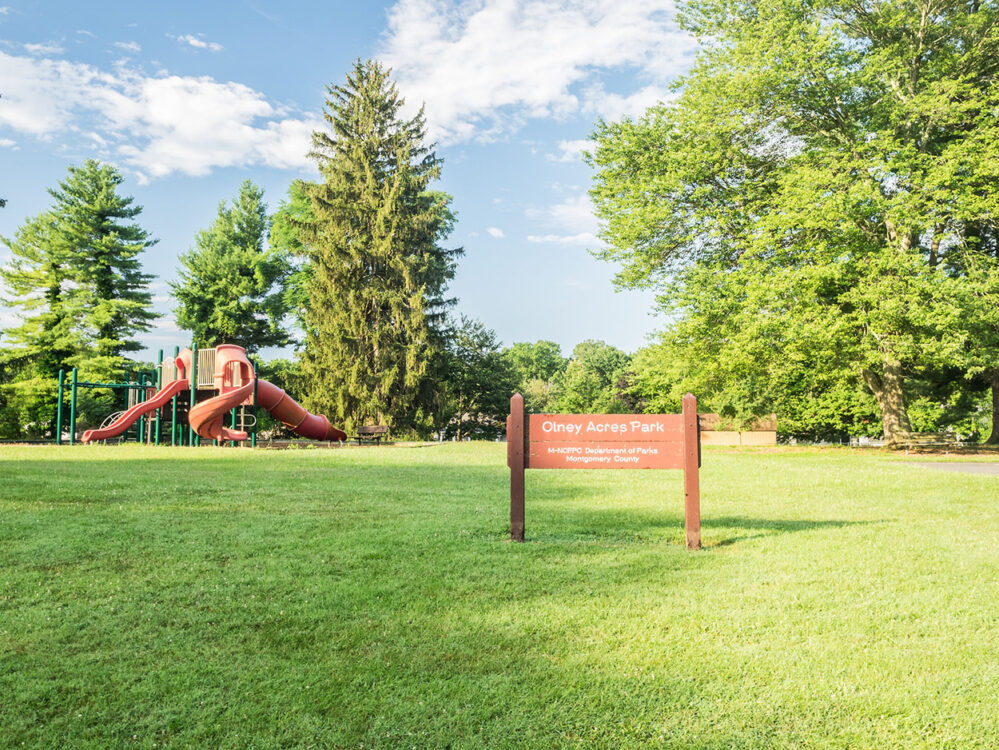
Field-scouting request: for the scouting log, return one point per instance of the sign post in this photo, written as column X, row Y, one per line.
column 691, row 478
column 605, row 441
column 516, row 442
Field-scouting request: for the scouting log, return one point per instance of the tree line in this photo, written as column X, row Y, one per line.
column 815, row 208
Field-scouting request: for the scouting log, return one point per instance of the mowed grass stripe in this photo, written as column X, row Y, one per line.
column 368, row 597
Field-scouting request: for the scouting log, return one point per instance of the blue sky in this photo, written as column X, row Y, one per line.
column 189, row 99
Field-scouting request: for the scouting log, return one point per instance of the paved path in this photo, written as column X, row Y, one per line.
column 967, row 467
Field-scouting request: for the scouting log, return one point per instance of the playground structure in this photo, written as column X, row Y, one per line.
column 208, row 393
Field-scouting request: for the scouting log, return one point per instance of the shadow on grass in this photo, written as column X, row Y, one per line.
column 771, row 526
column 617, row 527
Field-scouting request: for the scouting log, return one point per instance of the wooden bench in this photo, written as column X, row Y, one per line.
column 372, row 433
column 917, row 441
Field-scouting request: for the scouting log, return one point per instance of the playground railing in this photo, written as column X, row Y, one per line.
column 206, row 368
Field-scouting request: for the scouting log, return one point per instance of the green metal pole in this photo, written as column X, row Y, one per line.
column 232, row 425
column 140, row 397
column 173, row 404
column 159, row 385
column 72, row 407
column 253, row 436
column 147, row 380
column 194, row 391
column 62, row 381
column 138, row 422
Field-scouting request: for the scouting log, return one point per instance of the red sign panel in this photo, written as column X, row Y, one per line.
column 605, row 441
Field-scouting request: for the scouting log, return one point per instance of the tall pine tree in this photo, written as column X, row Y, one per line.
column 50, row 336
column 75, row 276
column 231, row 287
column 378, row 274
column 94, row 229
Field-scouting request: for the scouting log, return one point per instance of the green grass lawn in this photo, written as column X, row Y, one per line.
column 370, row 598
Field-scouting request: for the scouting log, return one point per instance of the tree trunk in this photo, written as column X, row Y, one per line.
column 887, row 389
column 994, row 383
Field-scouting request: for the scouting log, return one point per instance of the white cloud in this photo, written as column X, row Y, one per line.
column 129, row 46
column 496, row 232
column 484, row 67
column 572, row 150
column 7, row 143
column 198, row 43
column 574, row 214
column 166, row 326
column 614, row 106
column 156, row 125
column 164, row 331
column 5, row 10
column 44, row 48
column 573, row 218
column 583, row 238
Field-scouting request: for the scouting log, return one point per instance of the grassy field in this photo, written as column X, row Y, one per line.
column 369, row 598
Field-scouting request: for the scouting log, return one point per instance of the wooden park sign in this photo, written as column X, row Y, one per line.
column 605, row 441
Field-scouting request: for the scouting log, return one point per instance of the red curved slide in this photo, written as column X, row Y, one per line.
column 126, row 420
column 206, row 417
column 284, row 407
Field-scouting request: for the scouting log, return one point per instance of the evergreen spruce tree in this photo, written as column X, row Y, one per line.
column 94, row 231
column 231, row 288
column 378, row 275
column 49, row 337
column 76, row 278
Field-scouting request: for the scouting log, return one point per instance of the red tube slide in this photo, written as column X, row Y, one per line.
column 126, row 420
column 206, row 418
column 284, row 407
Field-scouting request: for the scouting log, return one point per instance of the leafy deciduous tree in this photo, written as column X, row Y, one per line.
column 537, row 367
column 593, row 380
column 827, row 164
column 479, row 383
